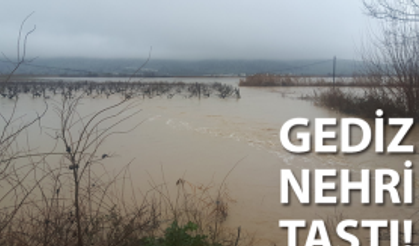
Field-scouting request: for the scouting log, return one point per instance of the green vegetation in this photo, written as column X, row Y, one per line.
column 179, row 236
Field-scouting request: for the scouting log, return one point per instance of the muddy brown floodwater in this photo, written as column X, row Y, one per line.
column 201, row 140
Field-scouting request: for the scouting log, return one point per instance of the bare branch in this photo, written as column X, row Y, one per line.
column 142, row 66
column 398, row 10
column 20, row 57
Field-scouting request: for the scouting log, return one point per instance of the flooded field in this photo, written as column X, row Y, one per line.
column 201, row 140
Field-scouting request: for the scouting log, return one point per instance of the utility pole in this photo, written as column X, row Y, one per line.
column 334, row 71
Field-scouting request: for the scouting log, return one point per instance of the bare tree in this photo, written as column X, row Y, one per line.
column 392, row 69
column 393, row 10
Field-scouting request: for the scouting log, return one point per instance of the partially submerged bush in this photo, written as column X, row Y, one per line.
column 363, row 104
column 290, row 80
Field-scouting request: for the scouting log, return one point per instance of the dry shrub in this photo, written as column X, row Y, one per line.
column 362, row 104
column 58, row 197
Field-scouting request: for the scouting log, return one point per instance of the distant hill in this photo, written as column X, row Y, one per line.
column 160, row 68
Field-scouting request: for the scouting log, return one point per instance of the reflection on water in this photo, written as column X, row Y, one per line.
column 201, row 140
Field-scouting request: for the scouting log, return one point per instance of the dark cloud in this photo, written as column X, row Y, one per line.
column 186, row 29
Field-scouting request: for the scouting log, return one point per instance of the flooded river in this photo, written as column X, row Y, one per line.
column 200, row 140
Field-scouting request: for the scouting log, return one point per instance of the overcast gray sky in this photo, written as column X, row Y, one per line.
column 187, row 29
